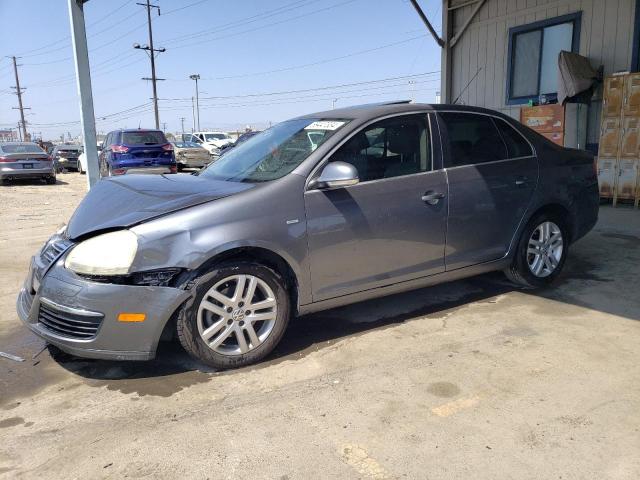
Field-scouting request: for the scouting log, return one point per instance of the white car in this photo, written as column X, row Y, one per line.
column 82, row 163
column 212, row 141
column 82, row 159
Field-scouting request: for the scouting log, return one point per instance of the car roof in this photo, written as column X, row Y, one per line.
column 363, row 112
column 137, row 130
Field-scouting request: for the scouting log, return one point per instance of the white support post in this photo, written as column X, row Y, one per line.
column 83, row 76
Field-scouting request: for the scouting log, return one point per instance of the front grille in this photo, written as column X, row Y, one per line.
column 67, row 324
column 52, row 250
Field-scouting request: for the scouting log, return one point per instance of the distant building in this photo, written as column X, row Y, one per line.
column 7, row 136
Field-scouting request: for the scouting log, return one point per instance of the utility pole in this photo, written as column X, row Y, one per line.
column 20, row 106
column 164, row 126
column 152, row 52
column 193, row 114
column 196, row 77
column 182, row 122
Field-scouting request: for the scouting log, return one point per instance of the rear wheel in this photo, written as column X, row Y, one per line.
column 51, row 180
column 541, row 252
column 238, row 317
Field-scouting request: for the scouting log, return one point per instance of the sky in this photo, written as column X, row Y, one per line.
column 260, row 62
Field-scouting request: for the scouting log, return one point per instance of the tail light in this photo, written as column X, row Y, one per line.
column 119, row 149
column 118, row 171
column 167, row 147
column 5, row 159
column 173, row 169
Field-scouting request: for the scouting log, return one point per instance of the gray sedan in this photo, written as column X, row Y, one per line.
column 25, row 160
column 316, row 212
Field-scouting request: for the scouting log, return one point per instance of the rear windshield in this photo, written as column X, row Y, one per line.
column 143, row 137
column 72, row 151
column 21, row 148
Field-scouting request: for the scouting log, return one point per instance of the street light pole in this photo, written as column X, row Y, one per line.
column 83, row 77
column 196, row 77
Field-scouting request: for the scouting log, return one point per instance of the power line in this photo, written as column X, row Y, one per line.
column 319, row 62
column 330, row 7
column 27, row 53
column 242, row 21
column 329, row 87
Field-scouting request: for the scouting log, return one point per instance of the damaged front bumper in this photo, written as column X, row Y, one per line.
column 80, row 316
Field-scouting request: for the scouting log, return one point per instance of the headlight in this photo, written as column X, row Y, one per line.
column 108, row 254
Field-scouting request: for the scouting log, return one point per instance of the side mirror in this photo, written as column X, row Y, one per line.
column 336, row 175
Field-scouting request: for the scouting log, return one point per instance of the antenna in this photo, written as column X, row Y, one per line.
column 467, row 86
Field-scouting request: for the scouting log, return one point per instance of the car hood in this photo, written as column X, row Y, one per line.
column 120, row 202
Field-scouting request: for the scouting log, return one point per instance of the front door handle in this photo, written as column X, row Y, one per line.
column 432, row 198
column 521, row 181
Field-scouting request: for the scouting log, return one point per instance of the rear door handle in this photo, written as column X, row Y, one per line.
column 432, row 198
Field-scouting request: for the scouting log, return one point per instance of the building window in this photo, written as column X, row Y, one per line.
column 533, row 56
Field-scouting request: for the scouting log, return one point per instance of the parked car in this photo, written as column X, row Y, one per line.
column 25, row 160
column 136, row 151
column 387, row 198
column 65, row 157
column 190, row 154
column 241, row 139
column 211, row 141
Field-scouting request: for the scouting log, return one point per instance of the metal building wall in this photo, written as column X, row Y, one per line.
column 605, row 38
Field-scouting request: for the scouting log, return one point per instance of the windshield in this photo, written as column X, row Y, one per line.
column 273, row 153
column 215, row 136
column 143, row 137
column 21, row 148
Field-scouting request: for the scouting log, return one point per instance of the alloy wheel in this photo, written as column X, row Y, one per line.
column 237, row 314
column 544, row 250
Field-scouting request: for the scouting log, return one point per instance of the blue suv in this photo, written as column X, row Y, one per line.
column 136, row 151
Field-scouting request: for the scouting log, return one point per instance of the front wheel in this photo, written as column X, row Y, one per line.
column 541, row 252
column 238, row 316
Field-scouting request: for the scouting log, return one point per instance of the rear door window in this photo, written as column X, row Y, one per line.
column 143, row 137
column 473, row 138
column 517, row 146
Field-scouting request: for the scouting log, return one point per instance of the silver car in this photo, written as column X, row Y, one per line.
column 25, row 160
column 190, row 155
column 316, row 212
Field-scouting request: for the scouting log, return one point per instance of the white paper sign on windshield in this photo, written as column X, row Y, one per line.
column 324, row 125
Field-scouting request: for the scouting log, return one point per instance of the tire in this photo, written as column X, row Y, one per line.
column 180, row 167
column 51, row 180
column 196, row 320
column 531, row 270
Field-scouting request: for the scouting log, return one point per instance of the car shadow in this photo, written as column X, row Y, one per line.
column 31, row 181
column 173, row 369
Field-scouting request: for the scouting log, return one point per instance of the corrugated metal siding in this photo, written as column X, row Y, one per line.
column 605, row 38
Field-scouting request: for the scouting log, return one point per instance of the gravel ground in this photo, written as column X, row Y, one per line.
column 472, row 379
